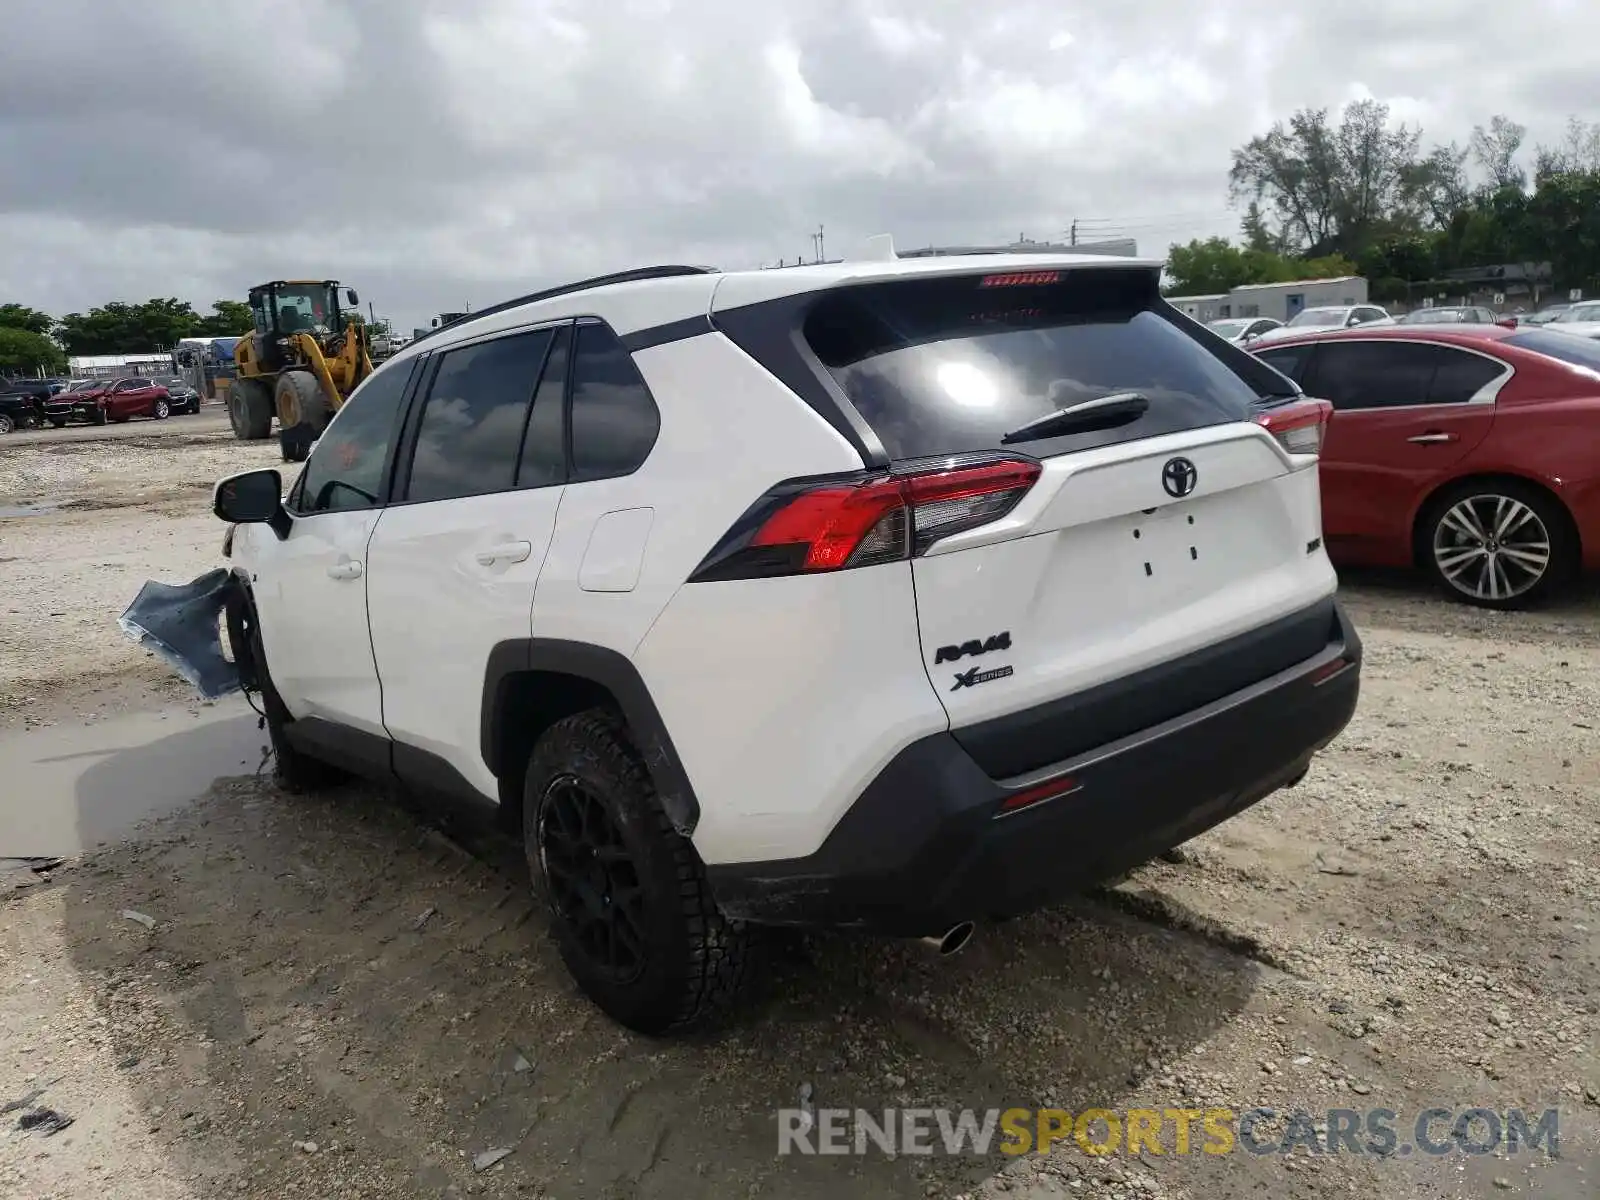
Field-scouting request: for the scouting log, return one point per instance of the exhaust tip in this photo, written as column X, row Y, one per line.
column 952, row 941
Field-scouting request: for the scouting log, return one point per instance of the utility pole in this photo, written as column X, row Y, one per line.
column 1074, row 234
column 822, row 250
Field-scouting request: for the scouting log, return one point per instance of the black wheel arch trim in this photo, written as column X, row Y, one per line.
column 617, row 674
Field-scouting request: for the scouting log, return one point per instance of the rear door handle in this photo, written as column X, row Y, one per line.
column 1426, row 439
column 348, row 569
column 511, row 552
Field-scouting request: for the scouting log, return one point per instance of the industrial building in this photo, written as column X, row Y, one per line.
column 1279, row 300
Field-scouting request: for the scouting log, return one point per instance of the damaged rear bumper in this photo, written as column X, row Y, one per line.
column 931, row 842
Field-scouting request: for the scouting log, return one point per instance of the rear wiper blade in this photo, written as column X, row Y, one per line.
column 1103, row 412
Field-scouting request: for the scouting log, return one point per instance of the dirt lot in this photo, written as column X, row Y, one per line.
column 84, row 521
column 338, row 998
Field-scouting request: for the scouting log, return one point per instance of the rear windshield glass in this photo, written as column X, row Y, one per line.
column 1569, row 348
column 950, row 365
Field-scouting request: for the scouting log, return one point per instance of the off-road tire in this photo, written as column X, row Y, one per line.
column 293, row 770
column 1546, row 512
column 303, row 413
column 697, row 962
column 250, row 409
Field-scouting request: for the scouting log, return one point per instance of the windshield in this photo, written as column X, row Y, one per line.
column 1229, row 329
column 1320, row 318
column 1581, row 312
column 1573, row 350
column 308, row 306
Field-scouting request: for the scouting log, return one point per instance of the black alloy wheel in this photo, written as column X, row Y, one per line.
column 594, row 883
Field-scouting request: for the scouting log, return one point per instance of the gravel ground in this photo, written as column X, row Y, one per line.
column 83, row 524
column 339, row 996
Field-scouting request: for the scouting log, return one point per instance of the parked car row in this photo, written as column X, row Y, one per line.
column 35, row 403
column 1247, row 331
column 1471, row 450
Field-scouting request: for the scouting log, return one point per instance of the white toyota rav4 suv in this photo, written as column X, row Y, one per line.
column 892, row 595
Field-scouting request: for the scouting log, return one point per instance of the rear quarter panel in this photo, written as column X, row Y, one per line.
column 1547, row 430
column 729, row 431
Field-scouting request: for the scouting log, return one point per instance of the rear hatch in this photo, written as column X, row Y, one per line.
column 1159, row 523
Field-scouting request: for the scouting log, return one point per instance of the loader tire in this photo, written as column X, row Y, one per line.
column 250, row 410
column 303, row 413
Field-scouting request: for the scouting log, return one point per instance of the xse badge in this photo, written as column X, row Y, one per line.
column 978, row 675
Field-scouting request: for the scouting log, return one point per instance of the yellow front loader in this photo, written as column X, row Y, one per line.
column 300, row 363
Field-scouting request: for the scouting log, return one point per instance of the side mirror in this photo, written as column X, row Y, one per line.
column 1508, row 322
column 351, row 298
column 252, row 498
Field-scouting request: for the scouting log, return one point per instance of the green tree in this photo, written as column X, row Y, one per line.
column 1561, row 222
column 20, row 316
column 24, row 352
column 1258, row 234
column 1495, row 150
column 1328, row 266
column 1330, row 187
column 1432, row 191
column 1577, row 152
column 119, row 328
column 1216, row 265
column 228, row 318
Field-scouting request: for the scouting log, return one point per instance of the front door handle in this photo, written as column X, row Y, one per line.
column 511, row 552
column 1428, row 439
column 347, row 569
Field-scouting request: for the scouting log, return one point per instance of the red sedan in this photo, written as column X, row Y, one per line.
column 1471, row 451
column 105, row 400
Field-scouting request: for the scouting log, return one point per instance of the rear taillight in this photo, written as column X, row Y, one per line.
column 1300, row 426
column 809, row 526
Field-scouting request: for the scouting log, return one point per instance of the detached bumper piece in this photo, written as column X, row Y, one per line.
column 182, row 625
column 936, row 840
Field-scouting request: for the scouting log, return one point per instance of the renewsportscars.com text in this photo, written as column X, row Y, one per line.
column 1380, row 1132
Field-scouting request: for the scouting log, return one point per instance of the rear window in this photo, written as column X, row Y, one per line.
column 1575, row 350
column 950, row 365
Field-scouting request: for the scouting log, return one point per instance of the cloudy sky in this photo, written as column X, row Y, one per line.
column 438, row 155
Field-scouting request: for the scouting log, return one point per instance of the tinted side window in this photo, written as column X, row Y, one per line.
column 1460, row 376
column 544, row 448
column 471, row 431
column 614, row 418
column 1291, row 360
column 346, row 469
column 1372, row 374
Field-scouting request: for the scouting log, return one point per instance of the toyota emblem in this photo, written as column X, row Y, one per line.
column 1179, row 476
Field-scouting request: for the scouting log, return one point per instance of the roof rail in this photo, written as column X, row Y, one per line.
column 667, row 271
